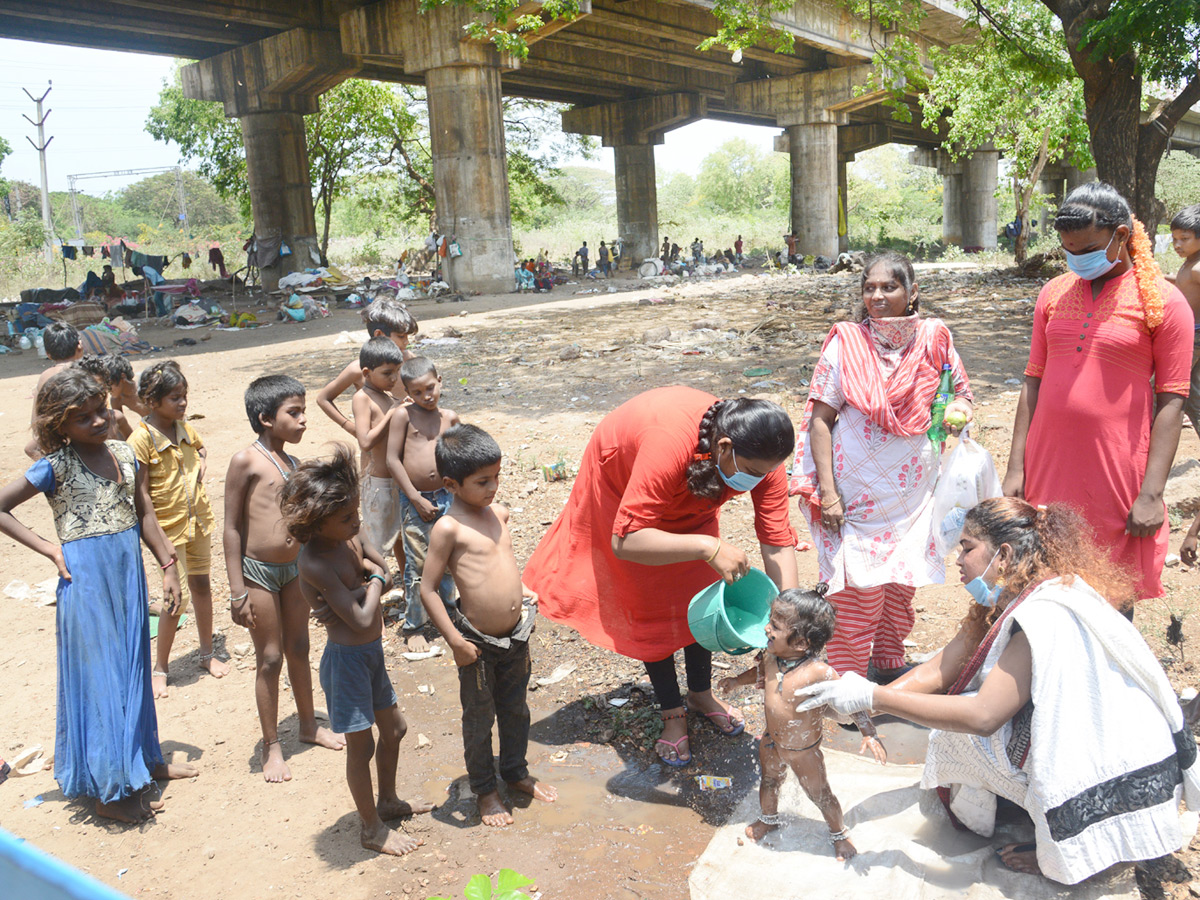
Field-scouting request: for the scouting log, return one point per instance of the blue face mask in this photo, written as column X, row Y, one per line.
column 739, row 480
column 984, row 593
column 1093, row 265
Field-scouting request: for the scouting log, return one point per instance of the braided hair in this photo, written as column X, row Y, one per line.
column 160, row 380
column 759, row 429
column 1099, row 205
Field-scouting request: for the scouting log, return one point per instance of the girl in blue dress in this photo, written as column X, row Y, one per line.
column 106, row 741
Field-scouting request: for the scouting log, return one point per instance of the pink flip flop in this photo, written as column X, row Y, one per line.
column 674, row 745
column 731, row 730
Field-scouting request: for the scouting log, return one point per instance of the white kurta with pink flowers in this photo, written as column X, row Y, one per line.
column 886, row 482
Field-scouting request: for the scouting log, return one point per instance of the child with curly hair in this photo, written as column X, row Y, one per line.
column 176, row 460
column 106, row 742
column 801, row 624
column 343, row 579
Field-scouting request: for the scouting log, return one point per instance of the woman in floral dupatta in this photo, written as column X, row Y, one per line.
column 865, row 470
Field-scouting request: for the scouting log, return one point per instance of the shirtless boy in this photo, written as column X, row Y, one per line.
column 489, row 632
column 412, row 437
column 800, row 625
column 260, row 560
column 383, row 318
column 380, row 360
column 343, row 580
column 62, row 345
column 1185, row 239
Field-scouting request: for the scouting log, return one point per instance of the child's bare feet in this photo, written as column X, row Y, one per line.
column 275, row 770
column 385, row 840
column 323, row 737
column 414, row 642
column 158, row 681
column 174, row 771
column 493, row 811
column 758, row 829
column 215, row 667
column 538, row 790
column 395, row 808
column 844, row 850
column 128, row 810
column 1020, row 858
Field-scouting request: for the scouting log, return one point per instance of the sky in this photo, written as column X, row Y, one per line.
column 100, row 99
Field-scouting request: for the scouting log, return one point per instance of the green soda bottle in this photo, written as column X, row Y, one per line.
column 937, row 413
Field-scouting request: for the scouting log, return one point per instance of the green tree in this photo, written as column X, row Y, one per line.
column 738, row 178
column 153, row 197
column 364, row 128
column 1178, row 182
column 5, row 152
column 676, row 191
column 204, row 136
column 1031, row 114
column 1116, row 48
column 344, row 137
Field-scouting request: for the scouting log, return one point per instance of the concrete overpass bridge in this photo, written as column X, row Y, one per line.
column 629, row 68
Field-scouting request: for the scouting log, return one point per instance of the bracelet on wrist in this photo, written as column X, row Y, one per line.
column 241, row 598
column 382, row 580
column 716, row 550
column 831, row 504
column 169, row 564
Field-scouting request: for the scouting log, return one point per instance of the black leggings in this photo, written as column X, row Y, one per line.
column 697, row 663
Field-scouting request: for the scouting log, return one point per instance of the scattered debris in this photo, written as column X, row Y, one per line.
column 557, row 675
column 657, row 334
column 713, row 782
column 435, row 650
column 571, row 351
column 423, row 742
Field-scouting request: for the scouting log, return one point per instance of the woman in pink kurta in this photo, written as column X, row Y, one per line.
column 640, row 535
column 1098, row 420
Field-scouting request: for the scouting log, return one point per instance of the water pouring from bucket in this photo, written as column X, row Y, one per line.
column 732, row 618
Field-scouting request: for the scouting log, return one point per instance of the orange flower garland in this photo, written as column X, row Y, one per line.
column 1149, row 275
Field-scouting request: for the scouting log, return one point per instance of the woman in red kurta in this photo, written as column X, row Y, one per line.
column 1098, row 420
column 639, row 535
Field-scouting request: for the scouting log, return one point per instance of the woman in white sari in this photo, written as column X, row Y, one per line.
column 1048, row 697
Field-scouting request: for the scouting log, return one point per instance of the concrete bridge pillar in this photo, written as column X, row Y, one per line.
column 280, row 190
column 979, row 209
column 951, row 171
column 843, row 200
column 637, row 200
column 1050, row 186
column 466, row 125
column 470, row 176
column 269, row 87
column 814, row 161
column 1076, row 177
column 633, row 128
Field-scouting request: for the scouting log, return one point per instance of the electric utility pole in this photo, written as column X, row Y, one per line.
column 40, row 147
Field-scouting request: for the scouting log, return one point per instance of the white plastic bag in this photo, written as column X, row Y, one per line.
column 968, row 476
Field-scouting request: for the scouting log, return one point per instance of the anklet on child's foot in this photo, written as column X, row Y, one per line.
column 843, row 835
column 771, row 818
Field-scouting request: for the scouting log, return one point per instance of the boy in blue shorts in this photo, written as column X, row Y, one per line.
column 342, row 578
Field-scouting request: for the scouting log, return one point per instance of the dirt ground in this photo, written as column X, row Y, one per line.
column 624, row 826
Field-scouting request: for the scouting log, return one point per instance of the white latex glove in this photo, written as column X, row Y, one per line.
column 848, row 695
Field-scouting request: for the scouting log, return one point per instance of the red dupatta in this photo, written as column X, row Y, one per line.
column 902, row 403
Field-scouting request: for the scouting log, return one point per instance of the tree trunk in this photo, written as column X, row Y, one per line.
column 1127, row 151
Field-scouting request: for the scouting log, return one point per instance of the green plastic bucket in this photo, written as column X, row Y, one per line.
column 732, row 618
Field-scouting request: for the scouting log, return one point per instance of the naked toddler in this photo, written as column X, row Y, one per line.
column 800, row 625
